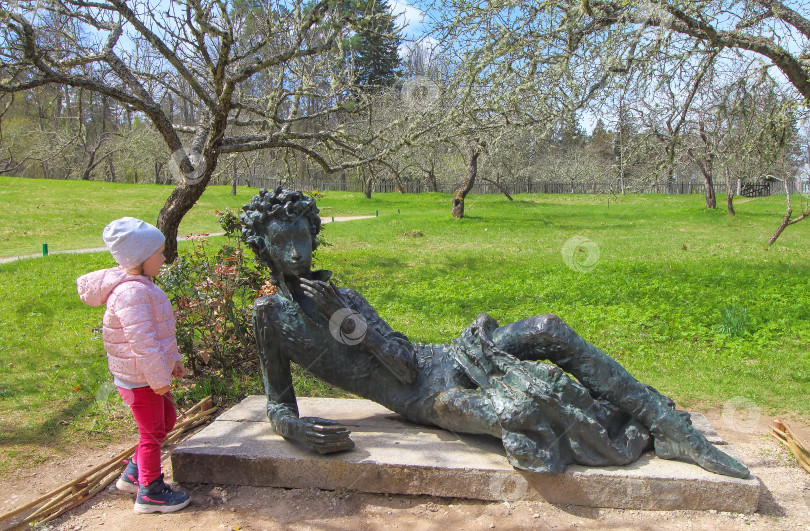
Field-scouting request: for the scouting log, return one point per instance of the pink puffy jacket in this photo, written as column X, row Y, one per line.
column 138, row 334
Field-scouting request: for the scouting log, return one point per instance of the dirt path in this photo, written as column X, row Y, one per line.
column 784, row 504
column 179, row 238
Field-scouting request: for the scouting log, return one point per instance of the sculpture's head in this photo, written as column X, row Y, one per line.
column 282, row 228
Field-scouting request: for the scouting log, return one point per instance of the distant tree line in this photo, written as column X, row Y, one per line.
column 635, row 93
column 60, row 132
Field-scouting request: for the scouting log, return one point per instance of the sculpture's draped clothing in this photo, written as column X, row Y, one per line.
column 548, row 418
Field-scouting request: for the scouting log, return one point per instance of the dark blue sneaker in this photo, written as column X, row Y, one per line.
column 158, row 497
column 128, row 482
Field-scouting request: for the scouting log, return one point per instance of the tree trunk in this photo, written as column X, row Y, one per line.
column 177, row 205
column 235, row 176
column 367, row 181
column 398, row 186
column 730, row 193
column 706, row 169
column 68, row 108
column 90, row 164
column 111, row 170
column 472, row 170
column 711, row 200
column 431, row 178
column 81, row 112
column 171, row 108
column 782, row 226
column 186, row 193
column 302, row 163
column 57, row 109
column 104, row 112
column 670, row 149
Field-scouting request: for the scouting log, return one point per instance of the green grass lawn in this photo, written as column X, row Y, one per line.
column 669, row 275
column 71, row 214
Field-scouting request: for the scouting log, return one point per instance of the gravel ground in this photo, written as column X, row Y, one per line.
column 784, row 503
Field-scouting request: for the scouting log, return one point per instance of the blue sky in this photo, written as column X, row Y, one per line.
column 412, row 18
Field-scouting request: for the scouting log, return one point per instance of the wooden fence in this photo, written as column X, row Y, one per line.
column 340, row 185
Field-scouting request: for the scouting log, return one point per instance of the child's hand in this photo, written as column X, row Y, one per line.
column 162, row 390
column 179, row 371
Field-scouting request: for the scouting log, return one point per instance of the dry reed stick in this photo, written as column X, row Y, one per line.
column 77, row 499
column 43, row 513
column 175, row 436
column 115, row 461
column 67, row 485
column 786, row 436
column 182, row 426
column 92, row 493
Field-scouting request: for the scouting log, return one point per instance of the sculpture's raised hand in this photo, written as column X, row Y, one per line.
column 398, row 360
column 325, row 296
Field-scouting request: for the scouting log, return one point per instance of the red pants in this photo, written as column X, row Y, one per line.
column 155, row 416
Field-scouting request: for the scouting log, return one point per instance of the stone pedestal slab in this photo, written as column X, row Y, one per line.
column 395, row 456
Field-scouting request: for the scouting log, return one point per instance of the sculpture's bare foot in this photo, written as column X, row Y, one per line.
column 692, row 446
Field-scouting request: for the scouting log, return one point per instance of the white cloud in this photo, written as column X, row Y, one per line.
column 428, row 45
column 411, row 18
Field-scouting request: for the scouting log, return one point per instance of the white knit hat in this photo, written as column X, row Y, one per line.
column 131, row 241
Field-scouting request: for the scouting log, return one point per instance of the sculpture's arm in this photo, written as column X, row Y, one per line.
column 391, row 348
column 323, row 435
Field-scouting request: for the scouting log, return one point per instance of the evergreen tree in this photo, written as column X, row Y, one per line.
column 374, row 48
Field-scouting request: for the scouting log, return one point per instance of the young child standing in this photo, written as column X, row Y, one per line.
column 139, row 337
